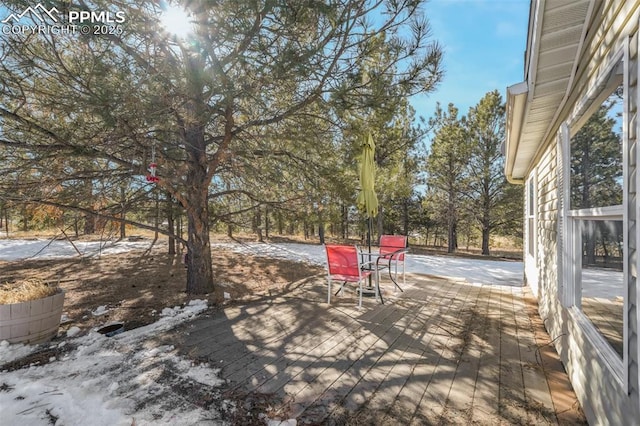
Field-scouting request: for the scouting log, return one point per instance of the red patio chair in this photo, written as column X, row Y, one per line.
column 393, row 249
column 344, row 264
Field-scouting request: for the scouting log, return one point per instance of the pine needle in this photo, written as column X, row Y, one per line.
column 26, row 290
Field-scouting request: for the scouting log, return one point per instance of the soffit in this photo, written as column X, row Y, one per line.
column 555, row 36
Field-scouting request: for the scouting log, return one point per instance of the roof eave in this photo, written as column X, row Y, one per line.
column 537, row 102
column 517, row 95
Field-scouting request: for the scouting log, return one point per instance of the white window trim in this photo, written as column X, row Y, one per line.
column 531, row 259
column 636, row 237
column 599, row 213
column 532, row 197
column 572, row 221
column 567, row 289
column 626, row 93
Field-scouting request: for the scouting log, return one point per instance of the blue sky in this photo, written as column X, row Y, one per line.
column 484, row 43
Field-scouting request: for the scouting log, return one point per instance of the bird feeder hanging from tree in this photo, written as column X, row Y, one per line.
column 151, row 177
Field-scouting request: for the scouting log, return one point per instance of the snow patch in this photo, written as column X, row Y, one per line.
column 73, row 331
column 107, row 381
column 100, row 310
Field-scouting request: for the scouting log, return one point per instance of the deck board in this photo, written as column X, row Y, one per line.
column 441, row 352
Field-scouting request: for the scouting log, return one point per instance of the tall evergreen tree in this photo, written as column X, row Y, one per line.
column 492, row 204
column 446, row 166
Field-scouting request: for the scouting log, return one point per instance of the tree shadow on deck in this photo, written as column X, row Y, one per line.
column 441, row 352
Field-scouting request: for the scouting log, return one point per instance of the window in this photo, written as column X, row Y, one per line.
column 531, row 228
column 602, row 278
column 596, row 157
column 596, row 214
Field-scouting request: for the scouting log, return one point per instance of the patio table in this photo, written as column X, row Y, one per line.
column 375, row 266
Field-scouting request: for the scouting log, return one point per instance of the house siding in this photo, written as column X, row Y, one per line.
column 606, row 398
column 547, row 228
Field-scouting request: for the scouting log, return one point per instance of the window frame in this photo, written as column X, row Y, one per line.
column 573, row 219
column 530, row 235
column 530, row 216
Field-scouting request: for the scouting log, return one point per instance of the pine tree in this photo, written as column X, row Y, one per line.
column 493, row 205
column 249, row 66
column 446, row 167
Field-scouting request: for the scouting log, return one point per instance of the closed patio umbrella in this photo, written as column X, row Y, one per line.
column 367, row 200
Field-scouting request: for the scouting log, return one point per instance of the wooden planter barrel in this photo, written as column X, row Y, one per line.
column 31, row 322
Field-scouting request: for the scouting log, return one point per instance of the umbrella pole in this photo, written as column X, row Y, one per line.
column 369, row 228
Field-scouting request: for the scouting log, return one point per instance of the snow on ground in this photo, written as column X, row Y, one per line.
column 471, row 270
column 595, row 282
column 108, row 380
column 604, row 283
column 114, row 380
column 310, row 253
column 50, row 249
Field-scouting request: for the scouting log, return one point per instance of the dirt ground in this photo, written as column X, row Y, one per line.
column 134, row 287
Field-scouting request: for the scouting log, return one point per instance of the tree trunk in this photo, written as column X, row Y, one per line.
column 171, row 225
column 123, row 213
column 179, row 224
column 405, row 217
column 199, row 269
column 485, row 240
column 6, row 221
column 452, row 237
column 25, row 220
column 344, row 224
column 486, row 224
column 321, row 226
column 257, row 221
column 89, row 224
column 198, row 256
column 452, row 222
column 156, row 218
column 605, row 251
column 89, row 219
column 280, row 223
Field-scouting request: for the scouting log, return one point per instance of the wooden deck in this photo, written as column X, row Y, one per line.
column 441, row 352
